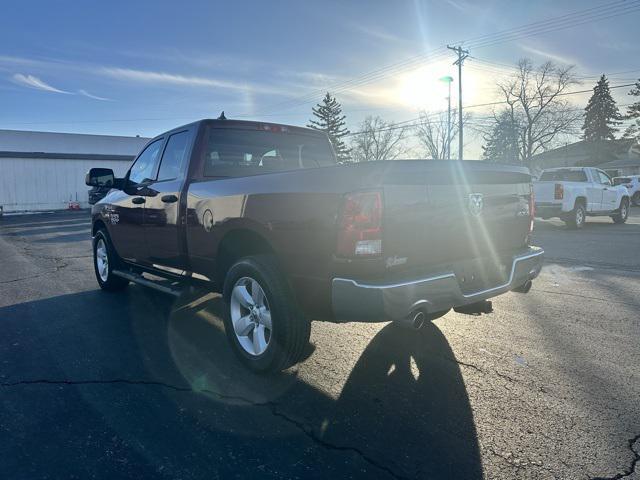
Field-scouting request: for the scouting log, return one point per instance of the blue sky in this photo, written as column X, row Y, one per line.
column 141, row 67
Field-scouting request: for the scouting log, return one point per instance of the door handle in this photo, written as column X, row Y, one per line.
column 138, row 200
column 169, row 198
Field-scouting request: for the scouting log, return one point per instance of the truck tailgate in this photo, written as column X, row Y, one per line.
column 454, row 212
column 544, row 192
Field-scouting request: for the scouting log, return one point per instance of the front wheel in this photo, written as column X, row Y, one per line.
column 622, row 213
column 266, row 330
column 104, row 261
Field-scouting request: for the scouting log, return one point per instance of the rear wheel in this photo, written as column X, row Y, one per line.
column 622, row 213
column 577, row 217
column 636, row 199
column 105, row 260
column 266, row 330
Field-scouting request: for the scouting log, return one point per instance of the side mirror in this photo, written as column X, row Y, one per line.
column 100, row 177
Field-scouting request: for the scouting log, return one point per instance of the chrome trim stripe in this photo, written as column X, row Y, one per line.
column 443, row 276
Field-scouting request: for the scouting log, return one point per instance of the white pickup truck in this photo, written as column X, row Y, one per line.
column 573, row 193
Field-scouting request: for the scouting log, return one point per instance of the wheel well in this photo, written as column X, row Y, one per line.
column 580, row 200
column 235, row 245
column 98, row 225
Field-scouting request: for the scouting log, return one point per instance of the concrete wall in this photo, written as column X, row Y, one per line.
column 30, row 184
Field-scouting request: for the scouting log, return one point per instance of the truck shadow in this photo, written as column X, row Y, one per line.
column 402, row 410
column 403, row 404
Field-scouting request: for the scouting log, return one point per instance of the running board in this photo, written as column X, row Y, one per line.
column 140, row 280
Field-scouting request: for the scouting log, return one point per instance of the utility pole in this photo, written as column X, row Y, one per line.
column 448, row 80
column 462, row 54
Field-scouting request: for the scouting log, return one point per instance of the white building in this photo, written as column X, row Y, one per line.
column 45, row 171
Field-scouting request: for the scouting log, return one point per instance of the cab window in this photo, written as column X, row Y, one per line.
column 144, row 169
column 174, row 158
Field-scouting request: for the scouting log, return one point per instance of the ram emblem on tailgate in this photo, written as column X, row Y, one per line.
column 476, row 202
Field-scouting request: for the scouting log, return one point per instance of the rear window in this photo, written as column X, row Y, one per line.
column 237, row 153
column 563, row 176
column 621, row 180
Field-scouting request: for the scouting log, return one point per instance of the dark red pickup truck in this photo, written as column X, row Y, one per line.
column 265, row 215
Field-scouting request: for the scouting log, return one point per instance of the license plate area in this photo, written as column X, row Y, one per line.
column 480, row 274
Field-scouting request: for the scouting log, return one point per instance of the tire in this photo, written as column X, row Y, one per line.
column 636, row 199
column 577, row 217
column 622, row 213
column 105, row 259
column 263, row 324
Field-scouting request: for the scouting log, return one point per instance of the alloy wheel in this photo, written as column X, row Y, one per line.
column 102, row 260
column 251, row 316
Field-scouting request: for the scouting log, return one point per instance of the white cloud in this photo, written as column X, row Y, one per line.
column 551, row 56
column 95, row 97
column 34, row 82
column 151, row 77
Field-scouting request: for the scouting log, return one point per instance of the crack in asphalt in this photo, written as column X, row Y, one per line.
column 56, row 269
column 634, row 461
column 271, row 406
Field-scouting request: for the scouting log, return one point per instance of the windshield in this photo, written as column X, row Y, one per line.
column 252, row 152
column 563, row 176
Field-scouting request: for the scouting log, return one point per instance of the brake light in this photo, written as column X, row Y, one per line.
column 360, row 225
column 532, row 209
column 558, row 193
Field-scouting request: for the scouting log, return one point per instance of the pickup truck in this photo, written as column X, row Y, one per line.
column 265, row 215
column 573, row 193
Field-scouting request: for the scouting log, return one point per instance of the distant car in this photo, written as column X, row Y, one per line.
column 573, row 193
column 632, row 184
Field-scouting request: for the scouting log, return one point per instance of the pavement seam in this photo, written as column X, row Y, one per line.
column 634, row 461
column 271, row 406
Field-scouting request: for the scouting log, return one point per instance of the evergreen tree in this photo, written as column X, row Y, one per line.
column 502, row 143
column 601, row 115
column 329, row 119
column 633, row 113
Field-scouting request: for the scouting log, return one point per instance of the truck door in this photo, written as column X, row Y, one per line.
column 163, row 222
column 609, row 194
column 594, row 191
column 127, row 208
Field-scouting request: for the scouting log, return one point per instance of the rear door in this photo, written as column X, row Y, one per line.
column 127, row 206
column 163, row 230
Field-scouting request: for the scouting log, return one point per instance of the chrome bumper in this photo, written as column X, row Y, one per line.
column 355, row 301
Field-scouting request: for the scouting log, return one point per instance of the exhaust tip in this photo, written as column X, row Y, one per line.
column 418, row 320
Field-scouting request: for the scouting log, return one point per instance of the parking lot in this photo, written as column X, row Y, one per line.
column 98, row 385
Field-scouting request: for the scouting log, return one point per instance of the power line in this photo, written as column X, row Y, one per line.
column 568, row 20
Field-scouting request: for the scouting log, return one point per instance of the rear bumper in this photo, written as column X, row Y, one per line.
column 355, row 301
column 549, row 210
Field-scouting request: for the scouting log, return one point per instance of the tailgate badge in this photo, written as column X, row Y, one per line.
column 476, row 202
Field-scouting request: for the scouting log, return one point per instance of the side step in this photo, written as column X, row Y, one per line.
column 160, row 285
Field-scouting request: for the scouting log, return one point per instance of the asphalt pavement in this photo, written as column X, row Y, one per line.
column 137, row 384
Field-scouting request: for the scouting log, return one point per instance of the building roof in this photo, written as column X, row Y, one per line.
column 27, row 144
column 625, row 162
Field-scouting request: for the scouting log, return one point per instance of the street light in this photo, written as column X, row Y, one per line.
column 448, row 80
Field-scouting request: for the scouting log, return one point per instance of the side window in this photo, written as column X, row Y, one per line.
column 174, row 158
column 145, row 167
column 604, row 179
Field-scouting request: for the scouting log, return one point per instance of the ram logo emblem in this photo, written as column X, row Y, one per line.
column 476, row 203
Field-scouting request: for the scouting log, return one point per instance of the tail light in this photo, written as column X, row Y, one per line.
column 532, row 209
column 360, row 225
column 558, row 192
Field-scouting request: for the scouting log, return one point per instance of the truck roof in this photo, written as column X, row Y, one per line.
column 248, row 125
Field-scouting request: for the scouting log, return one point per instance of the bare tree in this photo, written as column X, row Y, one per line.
column 378, row 140
column 432, row 133
column 535, row 101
